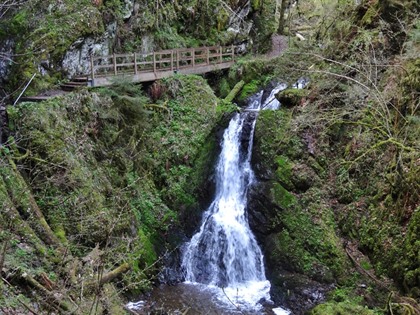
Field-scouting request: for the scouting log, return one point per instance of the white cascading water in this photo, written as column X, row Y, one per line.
column 224, row 252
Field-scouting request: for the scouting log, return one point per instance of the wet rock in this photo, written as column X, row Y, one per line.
column 246, row 133
column 261, row 210
column 267, row 90
column 297, row 292
column 172, row 273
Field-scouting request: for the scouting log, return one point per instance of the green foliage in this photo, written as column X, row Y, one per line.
column 256, row 4
column 168, row 38
column 342, row 308
column 266, row 22
column 224, row 88
column 147, row 252
column 249, row 89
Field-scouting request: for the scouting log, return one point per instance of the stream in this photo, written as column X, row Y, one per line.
column 223, row 264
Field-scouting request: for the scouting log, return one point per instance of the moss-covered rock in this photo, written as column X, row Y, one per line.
column 292, row 97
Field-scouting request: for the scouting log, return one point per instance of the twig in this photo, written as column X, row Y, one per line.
column 380, row 283
column 237, row 307
column 27, row 307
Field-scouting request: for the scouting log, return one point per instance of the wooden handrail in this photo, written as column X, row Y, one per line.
column 160, row 60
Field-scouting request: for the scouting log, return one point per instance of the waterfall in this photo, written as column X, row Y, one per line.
column 224, row 252
column 223, row 264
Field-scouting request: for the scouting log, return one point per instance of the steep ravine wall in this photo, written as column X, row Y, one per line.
column 93, row 188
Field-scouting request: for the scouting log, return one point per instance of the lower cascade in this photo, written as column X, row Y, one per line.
column 224, row 253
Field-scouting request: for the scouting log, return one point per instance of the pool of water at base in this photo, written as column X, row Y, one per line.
column 198, row 299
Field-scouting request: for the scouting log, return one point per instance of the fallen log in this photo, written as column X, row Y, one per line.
column 108, row 277
column 236, row 89
column 56, row 301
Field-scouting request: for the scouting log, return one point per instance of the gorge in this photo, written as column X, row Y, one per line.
column 104, row 190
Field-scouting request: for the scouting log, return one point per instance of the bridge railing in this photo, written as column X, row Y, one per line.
column 166, row 60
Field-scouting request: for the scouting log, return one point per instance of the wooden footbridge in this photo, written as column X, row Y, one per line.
column 140, row 67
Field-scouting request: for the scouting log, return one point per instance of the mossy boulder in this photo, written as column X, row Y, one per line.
column 291, row 97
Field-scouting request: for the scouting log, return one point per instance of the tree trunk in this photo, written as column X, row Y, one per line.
column 22, row 197
column 282, row 21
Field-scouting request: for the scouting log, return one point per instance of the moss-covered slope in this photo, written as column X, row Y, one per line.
column 338, row 197
column 93, row 182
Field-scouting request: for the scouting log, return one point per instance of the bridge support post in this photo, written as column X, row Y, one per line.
column 233, row 52
column 114, row 60
column 154, row 63
column 135, row 63
column 221, row 53
column 193, row 57
column 92, row 69
column 172, row 60
column 208, row 55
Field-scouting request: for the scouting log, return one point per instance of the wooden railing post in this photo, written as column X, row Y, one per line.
column 154, row 62
column 92, row 69
column 193, row 57
column 208, row 55
column 233, row 52
column 221, row 53
column 135, row 63
column 172, row 60
column 177, row 59
column 114, row 60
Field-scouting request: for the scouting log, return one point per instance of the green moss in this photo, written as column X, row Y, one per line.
column 61, row 234
column 370, row 15
column 342, row 308
column 249, row 89
column 291, row 97
column 256, row 4
column 311, row 242
column 40, row 37
column 282, row 197
column 222, row 19
column 258, row 70
column 284, row 171
column 147, row 253
column 224, row 88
